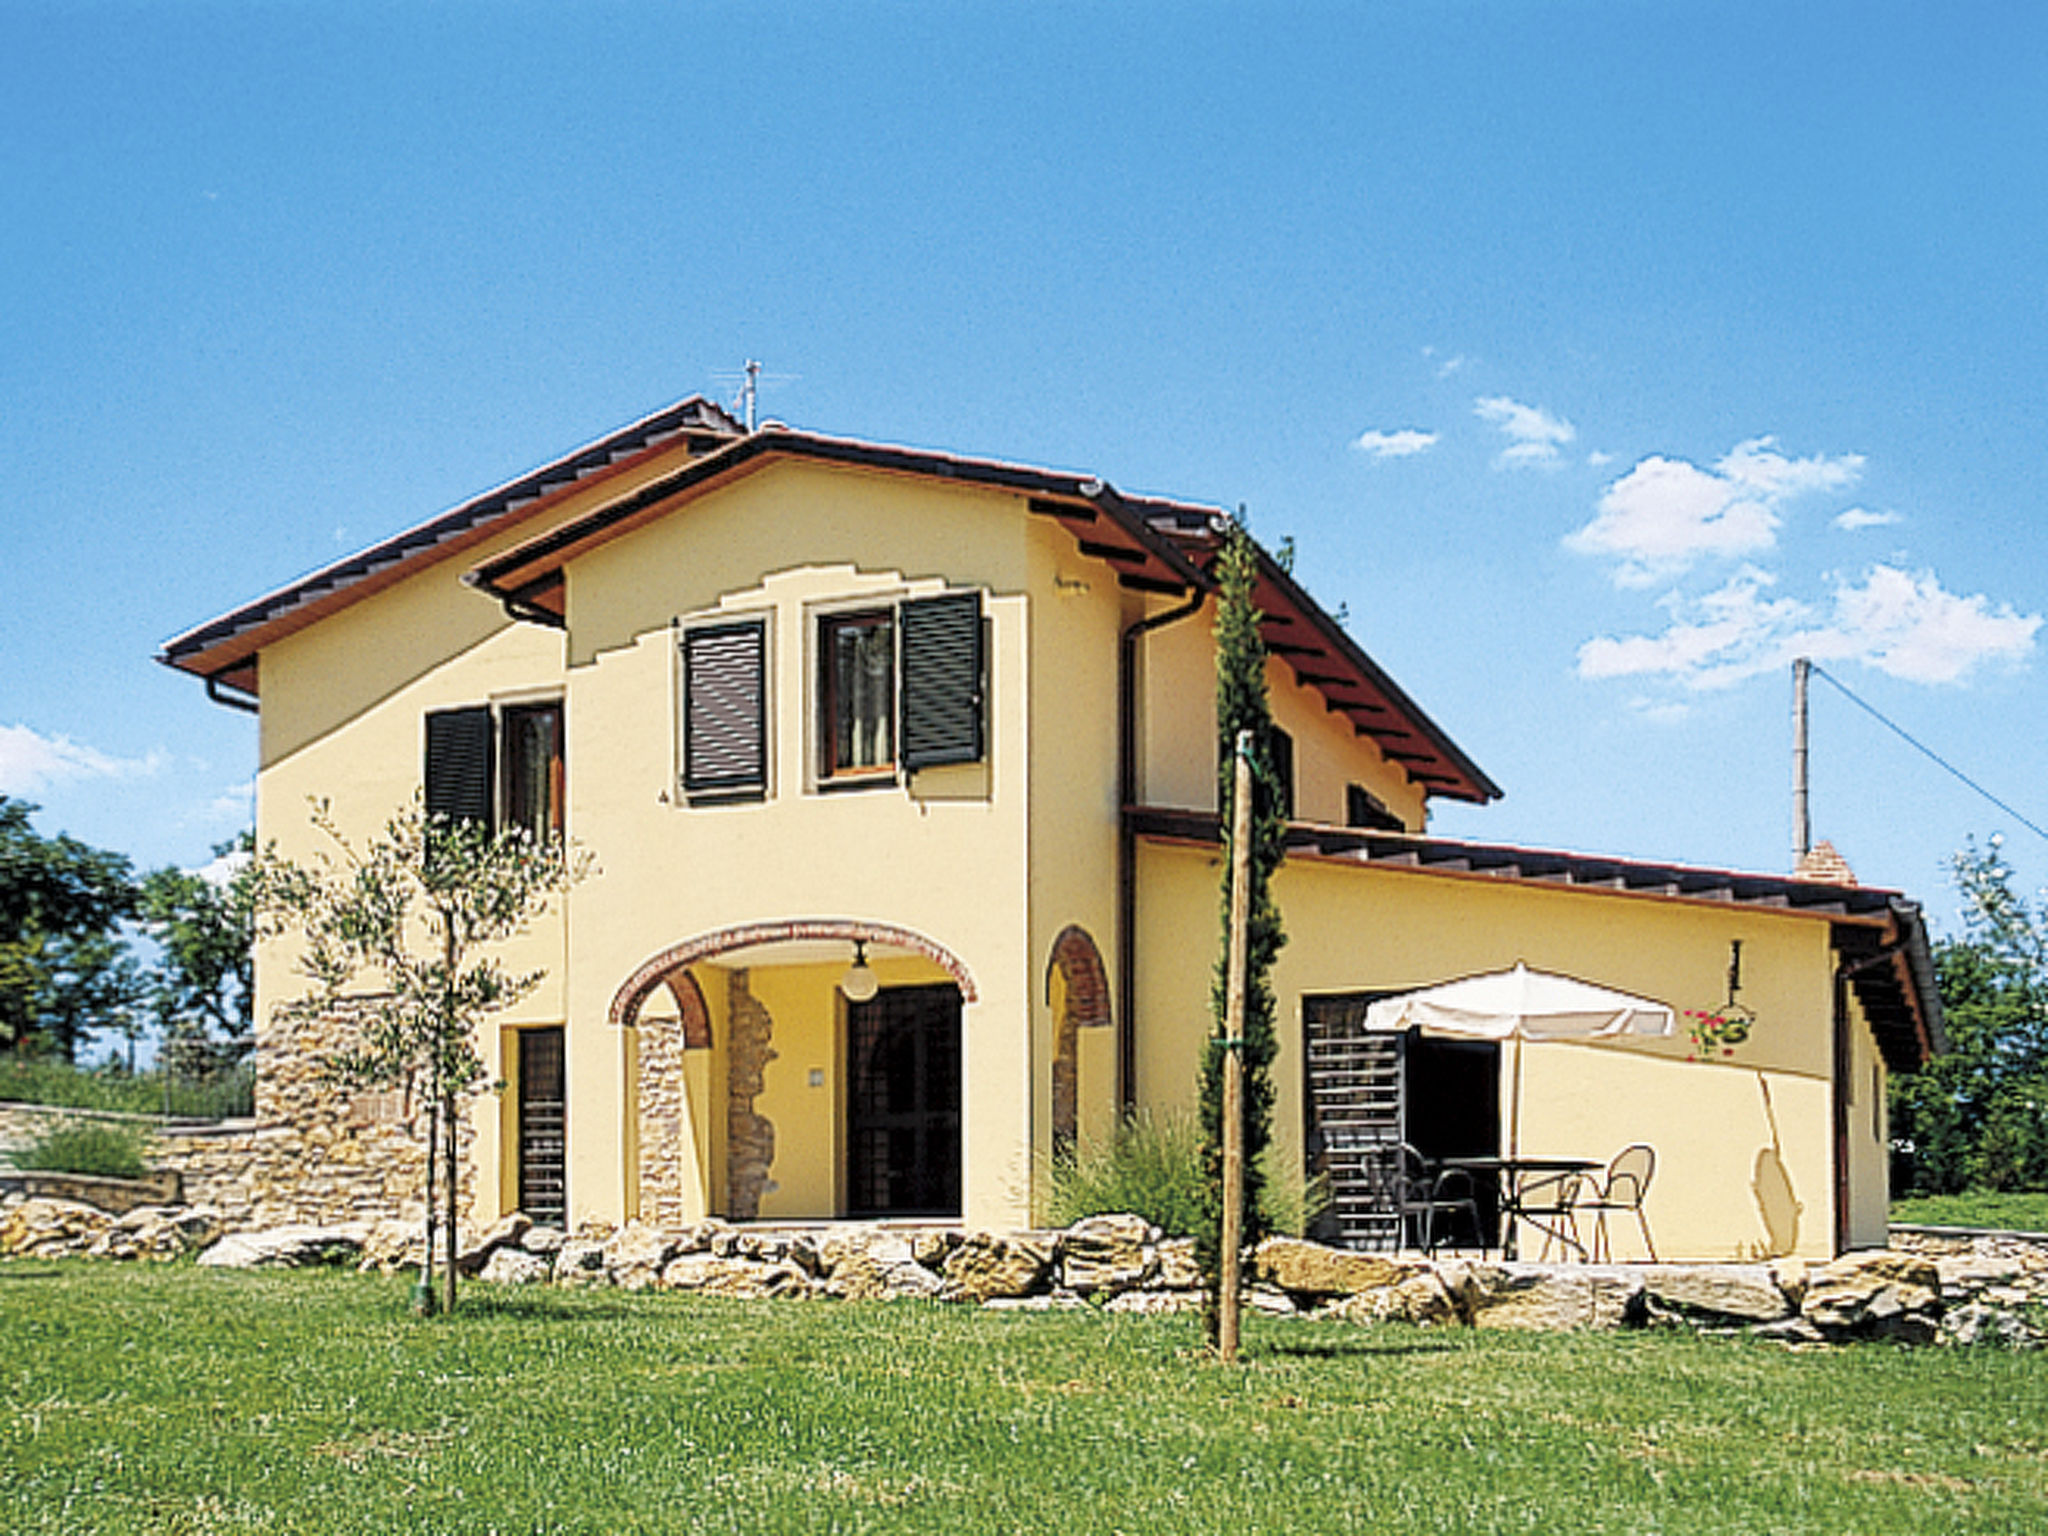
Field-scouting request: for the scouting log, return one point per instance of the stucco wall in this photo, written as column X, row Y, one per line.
column 1745, row 1162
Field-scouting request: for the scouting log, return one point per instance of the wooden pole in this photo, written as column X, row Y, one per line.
column 1802, row 821
column 1232, row 1237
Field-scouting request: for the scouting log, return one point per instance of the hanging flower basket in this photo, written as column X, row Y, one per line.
column 1717, row 1031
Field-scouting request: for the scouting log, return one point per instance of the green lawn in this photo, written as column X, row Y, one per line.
column 183, row 1400
column 1978, row 1208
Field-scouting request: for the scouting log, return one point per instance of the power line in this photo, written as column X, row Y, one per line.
column 1929, row 753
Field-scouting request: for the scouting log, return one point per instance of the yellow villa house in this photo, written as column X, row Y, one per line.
column 900, row 772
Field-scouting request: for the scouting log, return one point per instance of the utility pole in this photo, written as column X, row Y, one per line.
column 1802, row 822
column 1232, row 1241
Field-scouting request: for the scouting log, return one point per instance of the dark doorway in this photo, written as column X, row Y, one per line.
column 1368, row 1092
column 543, row 1121
column 903, row 1105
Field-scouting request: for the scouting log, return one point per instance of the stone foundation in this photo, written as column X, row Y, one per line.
column 1981, row 1291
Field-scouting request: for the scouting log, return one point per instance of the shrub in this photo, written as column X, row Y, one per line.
column 85, row 1146
column 1152, row 1167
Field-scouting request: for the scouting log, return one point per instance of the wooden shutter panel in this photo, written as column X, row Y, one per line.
column 725, row 708
column 459, row 764
column 941, row 647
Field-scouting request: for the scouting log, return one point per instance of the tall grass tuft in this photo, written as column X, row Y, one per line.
column 85, row 1146
column 1152, row 1167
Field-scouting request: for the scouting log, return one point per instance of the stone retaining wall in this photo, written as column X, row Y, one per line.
column 1988, row 1290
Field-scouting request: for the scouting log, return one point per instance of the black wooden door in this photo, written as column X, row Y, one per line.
column 903, row 1109
column 543, row 1121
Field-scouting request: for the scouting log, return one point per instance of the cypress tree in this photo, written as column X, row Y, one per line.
column 1242, row 705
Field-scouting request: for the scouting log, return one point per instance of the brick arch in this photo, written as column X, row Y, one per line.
column 678, row 958
column 1078, row 964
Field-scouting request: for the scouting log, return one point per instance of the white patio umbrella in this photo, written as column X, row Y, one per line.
column 1519, row 1005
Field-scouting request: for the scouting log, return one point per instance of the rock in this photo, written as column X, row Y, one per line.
column 1049, row 1301
column 43, row 1228
column 1549, row 1297
column 1150, row 1303
column 1976, row 1323
column 1875, row 1293
column 289, row 1247
column 505, row 1232
column 1795, row 1331
column 1106, row 1253
column 1967, row 1274
column 1274, row 1303
column 869, row 1264
column 514, row 1266
column 1792, row 1276
column 543, row 1242
column 986, row 1265
column 1422, row 1299
column 1310, row 1269
column 1747, row 1293
column 636, row 1256
column 392, row 1245
column 931, row 1249
column 1177, row 1268
column 737, row 1278
column 158, row 1233
column 581, row 1262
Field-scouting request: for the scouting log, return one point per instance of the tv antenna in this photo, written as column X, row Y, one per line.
column 748, row 381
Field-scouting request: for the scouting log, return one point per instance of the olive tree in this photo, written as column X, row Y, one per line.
column 399, row 938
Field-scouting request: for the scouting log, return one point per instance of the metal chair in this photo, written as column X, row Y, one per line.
column 1549, row 1202
column 1424, row 1193
column 1623, row 1189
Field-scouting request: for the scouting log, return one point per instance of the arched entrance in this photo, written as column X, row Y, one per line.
column 769, row 1094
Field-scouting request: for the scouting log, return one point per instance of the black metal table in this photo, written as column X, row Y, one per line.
column 1536, row 1190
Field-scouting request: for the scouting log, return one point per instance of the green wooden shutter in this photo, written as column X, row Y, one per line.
column 941, row 649
column 459, row 764
column 725, row 708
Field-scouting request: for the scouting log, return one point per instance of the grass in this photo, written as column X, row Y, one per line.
column 1151, row 1166
column 183, row 1400
column 2019, row 1212
column 85, row 1146
column 35, row 1080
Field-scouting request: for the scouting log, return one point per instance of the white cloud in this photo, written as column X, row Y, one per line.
column 1447, row 366
column 1894, row 622
column 1665, row 514
column 236, row 803
column 29, row 762
column 1598, row 459
column 1909, row 627
column 1534, row 435
column 1862, row 517
column 1394, row 445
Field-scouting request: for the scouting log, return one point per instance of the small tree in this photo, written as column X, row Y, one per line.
column 1242, row 705
column 397, row 935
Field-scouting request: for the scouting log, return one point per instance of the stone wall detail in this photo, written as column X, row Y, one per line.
column 750, row 1136
column 313, row 1152
column 663, row 1094
column 1078, row 963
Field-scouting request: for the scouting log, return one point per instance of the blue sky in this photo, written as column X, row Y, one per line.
column 1597, row 356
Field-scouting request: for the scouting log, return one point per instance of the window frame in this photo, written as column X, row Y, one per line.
column 486, row 787
column 827, row 624
column 731, row 787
